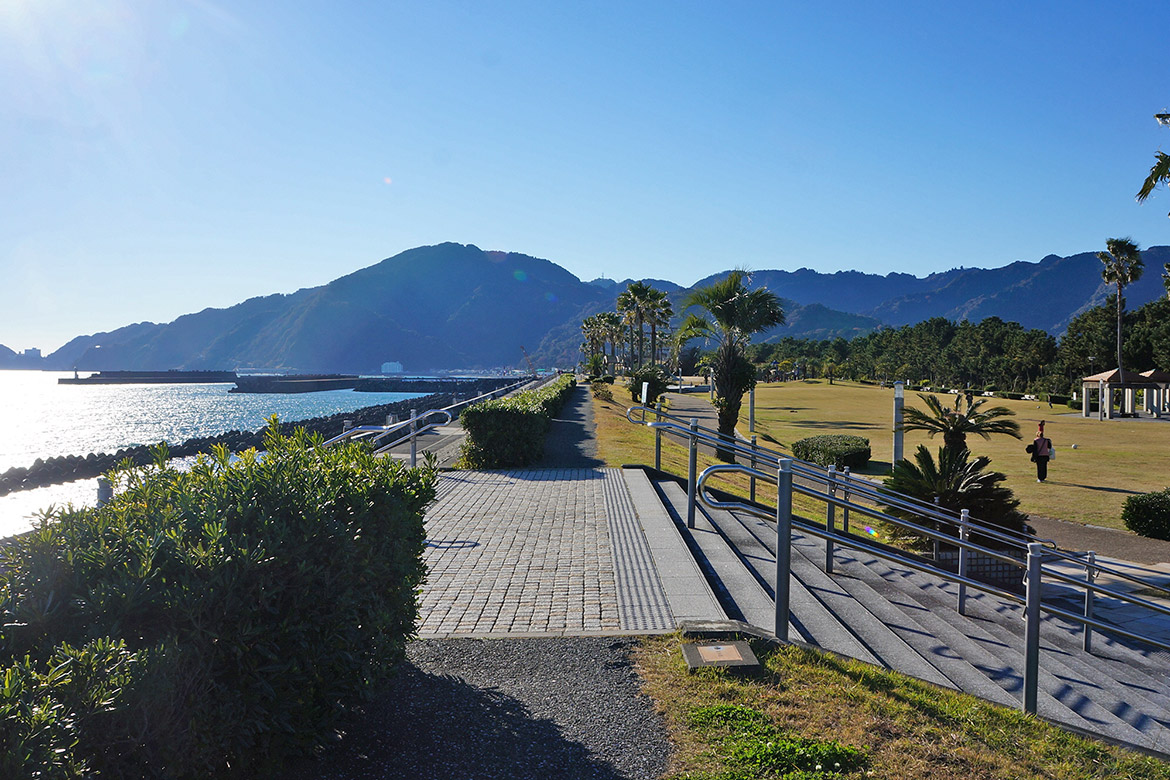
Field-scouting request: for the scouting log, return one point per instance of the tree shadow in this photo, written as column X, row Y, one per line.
column 1098, row 488
column 439, row 726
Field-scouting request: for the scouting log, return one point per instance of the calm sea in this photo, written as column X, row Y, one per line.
column 40, row 418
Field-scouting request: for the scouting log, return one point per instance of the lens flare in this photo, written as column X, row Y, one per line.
column 519, row 275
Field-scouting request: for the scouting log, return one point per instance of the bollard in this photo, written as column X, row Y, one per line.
column 1032, row 627
column 1090, row 577
column 964, row 519
column 692, row 462
column 413, row 439
column 390, row 420
column 783, row 546
column 105, row 491
column 346, row 425
column 830, row 516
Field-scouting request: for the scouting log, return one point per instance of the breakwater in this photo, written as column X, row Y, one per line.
column 406, row 384
column 67, row 468
column 173, row 377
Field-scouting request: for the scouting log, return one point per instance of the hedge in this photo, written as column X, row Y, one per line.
column 509, row 432
column 833, row 450
column 209, row 621
column 1148, row 514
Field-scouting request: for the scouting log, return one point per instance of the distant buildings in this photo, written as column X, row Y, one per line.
column 393, row 367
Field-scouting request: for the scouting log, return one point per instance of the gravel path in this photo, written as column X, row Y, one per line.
column 504, row 709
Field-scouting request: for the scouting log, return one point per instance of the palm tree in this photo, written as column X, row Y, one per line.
column 634, row 302
column 1158, row 174
column 1166, row 278
column 610, row 325
column 955, row 424
column 1123, row 265
column 591, row 329
column 658, row 314
column 736, row 314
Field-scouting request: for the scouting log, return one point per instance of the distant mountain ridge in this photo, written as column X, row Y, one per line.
column 457, row 306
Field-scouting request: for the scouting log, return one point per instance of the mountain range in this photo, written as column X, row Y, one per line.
column 456, row 306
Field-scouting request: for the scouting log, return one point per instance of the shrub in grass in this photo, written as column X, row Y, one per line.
column 602, row 391
column 224, row 617
column 837, row 450
column 1148, row 514
column 655, row 376
column 510, row 431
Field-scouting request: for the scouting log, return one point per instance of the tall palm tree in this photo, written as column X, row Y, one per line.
column 658, row 314
column 610, row 323
column 955, row 424
column 1123, row 265
column 634, row 302
column 591, row 329
column 1158, row 174
column 736, row 314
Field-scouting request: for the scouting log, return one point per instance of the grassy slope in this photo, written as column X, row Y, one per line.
column 1113, row 460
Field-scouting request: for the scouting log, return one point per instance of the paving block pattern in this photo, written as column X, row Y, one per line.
column 532, row 552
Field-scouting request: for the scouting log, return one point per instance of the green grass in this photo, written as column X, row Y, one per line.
column 1114, row 459
column 808, row 709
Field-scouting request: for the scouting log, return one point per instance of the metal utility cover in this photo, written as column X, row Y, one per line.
column 730, row 654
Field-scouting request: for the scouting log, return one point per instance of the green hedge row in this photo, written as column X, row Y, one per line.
column 833, row 450
column 510, row 432
column 208, row 623
column 1148, row 514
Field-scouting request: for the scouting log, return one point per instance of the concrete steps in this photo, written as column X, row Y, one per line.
column 901, row 619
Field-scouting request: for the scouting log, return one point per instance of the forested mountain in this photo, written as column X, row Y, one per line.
column 456, row 306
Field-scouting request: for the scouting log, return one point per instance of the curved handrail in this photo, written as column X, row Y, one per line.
column 847, row 540
column 814, row 473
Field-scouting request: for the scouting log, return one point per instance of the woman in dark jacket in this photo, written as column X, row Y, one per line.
column 1041, row 449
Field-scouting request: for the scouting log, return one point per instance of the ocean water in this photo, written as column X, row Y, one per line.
column 40, row 418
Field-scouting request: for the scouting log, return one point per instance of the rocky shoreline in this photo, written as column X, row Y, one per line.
column 67, row 468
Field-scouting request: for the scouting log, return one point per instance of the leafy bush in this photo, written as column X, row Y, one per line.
column 510, row 432
column 655, row 376
column 1148, row 514
column 837, row 450
column 603, row 391
column 225, row 617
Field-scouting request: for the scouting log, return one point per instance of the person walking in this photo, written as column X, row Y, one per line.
column 1041, row 449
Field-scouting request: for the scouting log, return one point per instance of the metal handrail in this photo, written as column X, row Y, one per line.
column 855, row 543
column 785, row 520
column 812, row 472
column 377, row 432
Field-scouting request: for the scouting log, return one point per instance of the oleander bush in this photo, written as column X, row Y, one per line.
column 837, row 450
column 208, row 622
column 509, row 432
column 1148, row 514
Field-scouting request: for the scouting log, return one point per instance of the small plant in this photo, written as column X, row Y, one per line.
column 837, row 450
column 602, row 391
column 1148, row 514
column 752, row 746
column 657, row 379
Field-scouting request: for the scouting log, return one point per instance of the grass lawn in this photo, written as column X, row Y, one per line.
column 812, row 708
column 1114, row 459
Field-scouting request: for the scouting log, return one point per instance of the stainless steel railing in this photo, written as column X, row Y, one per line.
column 408, row 430
column 843, row 491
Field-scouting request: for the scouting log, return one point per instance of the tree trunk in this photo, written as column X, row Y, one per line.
column 1120, row 377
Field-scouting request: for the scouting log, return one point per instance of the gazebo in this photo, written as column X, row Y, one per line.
column 1129, row 382
column 1157, row 400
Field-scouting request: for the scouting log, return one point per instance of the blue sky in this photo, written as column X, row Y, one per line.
column 161, row 156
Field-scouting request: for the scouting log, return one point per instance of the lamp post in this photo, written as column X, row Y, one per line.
column 899, row 402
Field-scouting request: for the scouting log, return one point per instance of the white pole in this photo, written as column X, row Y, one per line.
column 899, row 403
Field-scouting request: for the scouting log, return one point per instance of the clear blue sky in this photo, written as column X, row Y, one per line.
column 161, row 156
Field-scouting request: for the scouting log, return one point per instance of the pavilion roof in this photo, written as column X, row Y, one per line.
column 1115, row 377
column 1157, row 375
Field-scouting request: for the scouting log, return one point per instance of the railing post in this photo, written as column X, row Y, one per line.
column 964, row 519
column 692, row 461
column 346, row 425
column 1090, row 578
column 830, row 517
column 845, row 509
column 1032, row 627
column 752, row 479
column 413, row 440
column 934, row 542
column 658, row 437
column 783, row 545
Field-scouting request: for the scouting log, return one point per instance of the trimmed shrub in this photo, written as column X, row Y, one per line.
column 509, row 432
column 226, row 616
column 1148, row 514
column 657, row 378
column 837, row 450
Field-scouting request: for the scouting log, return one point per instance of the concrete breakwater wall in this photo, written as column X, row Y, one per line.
column 67, row 468
column 465, row 386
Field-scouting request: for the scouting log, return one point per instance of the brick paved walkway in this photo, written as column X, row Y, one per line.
column 532, row 552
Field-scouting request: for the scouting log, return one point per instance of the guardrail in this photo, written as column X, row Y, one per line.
column 787, row 469
column 376, row 433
